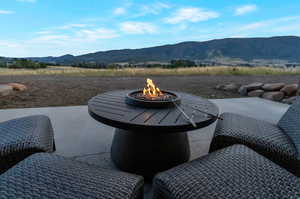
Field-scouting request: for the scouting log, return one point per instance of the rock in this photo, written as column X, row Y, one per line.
column 243, row 90
column 250, row 87
column 5, row 90
column 219, row 87
column 231, row 87
column 256, row 93
column 290, row 89
column 273, row 87
column 289, row 100
column 254, row 86
column 275, row 96
column 17, row 86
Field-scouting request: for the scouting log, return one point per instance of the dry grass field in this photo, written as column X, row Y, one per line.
column 221, row 70
column 66, row 86
column 69, row 90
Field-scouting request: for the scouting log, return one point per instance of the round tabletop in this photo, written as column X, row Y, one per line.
column 110, row 108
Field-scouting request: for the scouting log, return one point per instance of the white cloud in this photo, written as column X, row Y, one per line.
column 27, row 1
column 245, row 9
column 44, row 32
column 7, row 44
column 237, row 36
column 191, row 14
column 93, row 35
column 131, row 27
column 182, row 27
column 271, row 24
column 256, row 25
column 73, row 32
column 57, row 43
column 49, row 39
column 66, row 27
column 119, row 11
column 289, row 18
column 79, row 36
column 6, row 12
column 155, row 8
column 71, row 26
column 288, row 28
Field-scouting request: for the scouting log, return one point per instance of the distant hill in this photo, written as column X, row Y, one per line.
column 273, row 48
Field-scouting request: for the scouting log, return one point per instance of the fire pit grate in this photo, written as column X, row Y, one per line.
column 166, row 100
column 152, row 97
column 165, row 97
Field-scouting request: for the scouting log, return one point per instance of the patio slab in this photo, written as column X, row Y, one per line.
column 79, row 136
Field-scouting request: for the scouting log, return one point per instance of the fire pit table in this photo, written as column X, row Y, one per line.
column 149, row 139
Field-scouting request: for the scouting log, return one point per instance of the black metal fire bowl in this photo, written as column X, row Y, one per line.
column 167, row 101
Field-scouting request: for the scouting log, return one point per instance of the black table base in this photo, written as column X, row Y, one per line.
column 149, row 153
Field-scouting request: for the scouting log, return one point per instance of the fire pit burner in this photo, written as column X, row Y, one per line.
column 152, row 97
column 165, row 100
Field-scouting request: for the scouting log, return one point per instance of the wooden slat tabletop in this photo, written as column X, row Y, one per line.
column 110, row 108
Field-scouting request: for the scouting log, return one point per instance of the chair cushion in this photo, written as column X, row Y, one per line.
column 45, row 175
column 290, row 123
column 235, row 172
column 263, row 137
column 22, row 137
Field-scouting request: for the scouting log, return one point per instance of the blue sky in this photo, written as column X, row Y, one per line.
column 58, row 27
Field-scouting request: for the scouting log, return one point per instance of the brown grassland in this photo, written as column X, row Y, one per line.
column 67, row 86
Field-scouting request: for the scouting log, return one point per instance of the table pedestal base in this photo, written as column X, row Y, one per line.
column 149, row 153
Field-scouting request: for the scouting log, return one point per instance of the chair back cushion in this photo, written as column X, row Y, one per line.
column 290, row 123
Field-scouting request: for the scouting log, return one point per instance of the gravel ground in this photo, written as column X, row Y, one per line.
column 60, row 90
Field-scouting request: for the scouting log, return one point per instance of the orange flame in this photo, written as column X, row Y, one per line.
column 151, row 90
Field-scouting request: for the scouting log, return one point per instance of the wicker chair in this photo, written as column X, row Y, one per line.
column 46, row 176
column 22, row 137
column 236, row 172
column 280, row 143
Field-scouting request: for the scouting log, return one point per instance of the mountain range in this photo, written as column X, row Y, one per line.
column 285, row 48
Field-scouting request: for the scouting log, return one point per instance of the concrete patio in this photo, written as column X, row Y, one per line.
column 79, row 136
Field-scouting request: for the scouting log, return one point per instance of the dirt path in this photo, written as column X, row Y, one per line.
column 46, row 91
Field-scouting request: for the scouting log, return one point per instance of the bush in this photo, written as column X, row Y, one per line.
column 24, row 63
column 2, row 63
column 181, row 64
column 89, row 65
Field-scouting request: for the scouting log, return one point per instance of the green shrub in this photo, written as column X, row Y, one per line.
column 26, row 64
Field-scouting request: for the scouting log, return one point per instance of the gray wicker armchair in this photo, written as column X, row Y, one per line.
column 22, row 137
column 46, row 176
column 236, row 172
column 280, row 143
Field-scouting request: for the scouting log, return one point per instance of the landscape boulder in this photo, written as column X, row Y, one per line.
column 231, row 87
column 220, row 87
column 281, row 92
column 243, row 90
column 5, row 90
column 275, row 95
column 17, row 86
column 250, row 87
column 256, row 93
column 289, row 100
column 273, row 86
column 290, row 89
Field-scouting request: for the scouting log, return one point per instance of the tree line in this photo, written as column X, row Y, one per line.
column 173, row 64
column 21, row 64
